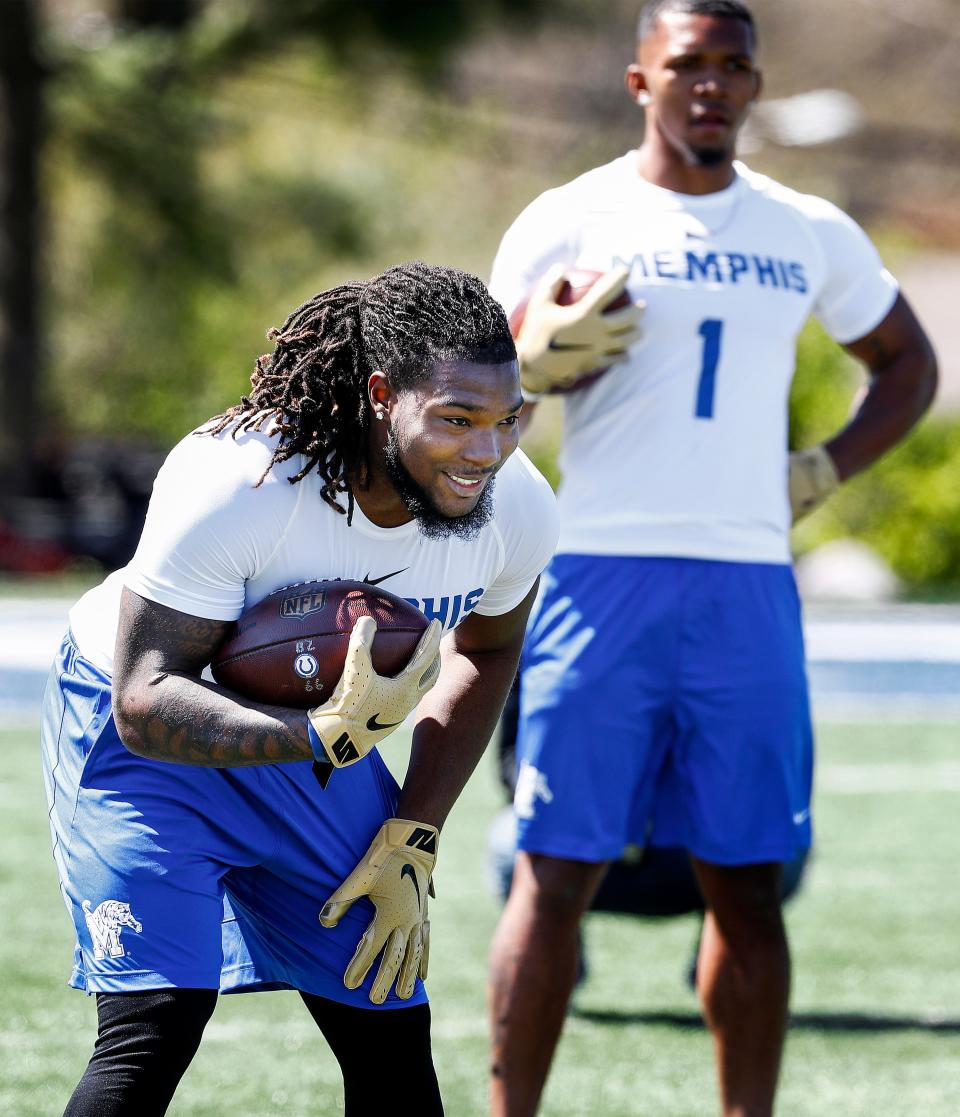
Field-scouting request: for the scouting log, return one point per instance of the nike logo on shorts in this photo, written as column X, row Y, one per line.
column 800, row 817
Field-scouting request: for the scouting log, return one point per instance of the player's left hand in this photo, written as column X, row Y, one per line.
column 395, row 875
column 365, row 707
column 812, row 478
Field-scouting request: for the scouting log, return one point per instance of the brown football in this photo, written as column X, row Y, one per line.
column 289, row 648
column 577, row 282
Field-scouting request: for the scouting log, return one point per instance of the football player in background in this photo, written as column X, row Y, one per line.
column 651, row 882
column 664, row 698
column 208, row 843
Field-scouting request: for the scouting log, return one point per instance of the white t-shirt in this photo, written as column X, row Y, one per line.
column 213, row 543
column 682, row 450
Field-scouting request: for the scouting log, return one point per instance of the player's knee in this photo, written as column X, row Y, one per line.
column 401, row 1038
column 406, row 1034
column 759, row 901
column 746, row 901
column 556, row 890
column 757, row 932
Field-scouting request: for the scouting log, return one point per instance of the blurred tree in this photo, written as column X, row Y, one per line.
column 21, row 131
column 131, row 130
column 907, row 506
column 173, row 14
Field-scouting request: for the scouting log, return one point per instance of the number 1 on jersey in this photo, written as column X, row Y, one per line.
column 710, row 330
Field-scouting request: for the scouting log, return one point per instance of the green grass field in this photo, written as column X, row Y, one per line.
column 876, row 931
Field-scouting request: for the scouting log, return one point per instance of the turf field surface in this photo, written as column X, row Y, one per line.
column 875, row 932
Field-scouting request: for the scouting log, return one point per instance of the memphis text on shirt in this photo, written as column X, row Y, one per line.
column 693, row 266
column 447, row 610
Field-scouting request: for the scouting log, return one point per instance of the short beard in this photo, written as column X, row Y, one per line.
column 708, row 156
column 432, row 523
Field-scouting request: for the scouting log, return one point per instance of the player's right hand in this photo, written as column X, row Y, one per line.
column 812, row 477
column 557, row 345
column 395, row 876
column 366, row 707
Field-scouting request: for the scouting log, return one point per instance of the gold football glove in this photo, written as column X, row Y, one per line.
column 812, row 478
column 557, row 345
column 395, row 874
column 366, row 707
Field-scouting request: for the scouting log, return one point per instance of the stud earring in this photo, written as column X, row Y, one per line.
column 380, row 415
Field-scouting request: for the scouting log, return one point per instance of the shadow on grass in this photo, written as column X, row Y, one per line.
column 800, row 1021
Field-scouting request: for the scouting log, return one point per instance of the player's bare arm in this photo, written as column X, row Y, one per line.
column 164, row 710
column 902, row 370
column 457, row 718
column 455, row 721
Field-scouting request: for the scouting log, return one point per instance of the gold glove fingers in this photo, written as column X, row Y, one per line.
column 366, row 707
column 557, row 345
column 395, row 875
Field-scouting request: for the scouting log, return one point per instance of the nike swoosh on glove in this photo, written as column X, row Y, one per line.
column 557, row 345
column 395, row 875
column 812, row 478
column 366, row 707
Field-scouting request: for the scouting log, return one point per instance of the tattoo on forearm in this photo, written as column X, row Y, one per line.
column 194, row 638
column 215, row 739
column 171, row 714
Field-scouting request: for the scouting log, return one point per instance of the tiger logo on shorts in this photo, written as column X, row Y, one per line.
column 531, row 786
column 105, row 923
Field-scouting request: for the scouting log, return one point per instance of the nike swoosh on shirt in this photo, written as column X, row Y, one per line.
column 373, row 725
column 409, row 871
column 376, row 581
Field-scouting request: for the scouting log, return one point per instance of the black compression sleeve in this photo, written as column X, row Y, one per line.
column 384, row 1056
column 145, row 1042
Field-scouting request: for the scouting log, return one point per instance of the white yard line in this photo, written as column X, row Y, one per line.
column 881, row 641
column 914, row 636
column 30, row 633
column 889, row 633
column 895, row 778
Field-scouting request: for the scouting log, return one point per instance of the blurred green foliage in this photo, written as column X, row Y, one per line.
column 202, row 182
column 907, row 507
column 175, row 233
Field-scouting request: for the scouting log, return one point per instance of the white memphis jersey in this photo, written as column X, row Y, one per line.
column 214, row 543
column 682, row 450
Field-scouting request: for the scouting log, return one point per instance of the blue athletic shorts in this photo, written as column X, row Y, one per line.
column 206, row 878
column 664, row 702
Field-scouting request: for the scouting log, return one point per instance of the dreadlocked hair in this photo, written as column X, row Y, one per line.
column 312, row 389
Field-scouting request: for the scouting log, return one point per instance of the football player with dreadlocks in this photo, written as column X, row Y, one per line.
column 196, row 847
